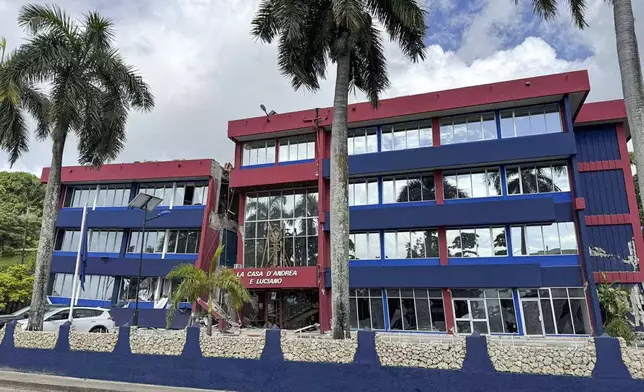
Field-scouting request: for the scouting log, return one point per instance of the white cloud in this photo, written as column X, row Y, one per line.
column 205, row 69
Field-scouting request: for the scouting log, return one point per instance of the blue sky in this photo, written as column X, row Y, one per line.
column 205, row 69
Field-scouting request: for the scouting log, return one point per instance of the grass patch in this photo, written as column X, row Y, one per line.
column 9, row 258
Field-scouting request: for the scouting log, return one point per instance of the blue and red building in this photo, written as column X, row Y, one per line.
column 493, row 208
column 194, row 191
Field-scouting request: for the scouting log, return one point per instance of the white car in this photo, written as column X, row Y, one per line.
column 85, row 320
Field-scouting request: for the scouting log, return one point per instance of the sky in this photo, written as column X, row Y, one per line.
column 205, row 69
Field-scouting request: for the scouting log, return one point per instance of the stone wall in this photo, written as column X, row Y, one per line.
column 564, row 358
column 2, row 333
column 34, row 339
column 318, row 349
column 143, row 341
column 633, row 358
column 232, row 346
column 422, row 352
column 90, row 341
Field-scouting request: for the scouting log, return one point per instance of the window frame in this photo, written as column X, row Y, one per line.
column 429, row 299
column 549, row 165
column 354, row 296
column 491, row 231
column 551, row 299
column 366, row 182
column 543, row 242
column 462, row 172
column 166, row 241
column 425, row 125
column 409, row 233
column 450, row 121
column 363, row 132
column 530, row 108
column 370, row 235
column 299, row 140
column 485, row 298
column 256, row 145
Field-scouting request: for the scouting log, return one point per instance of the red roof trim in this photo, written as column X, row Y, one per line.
column 514, row 90
column 599, row 112
column 195, row 168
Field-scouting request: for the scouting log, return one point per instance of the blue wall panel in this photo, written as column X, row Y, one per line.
column 604, row 191
column 462, row 276
column 597, row 143
column 610, row 247
column 116, row 265
column 118, row 218
column 480, row 213
column 530, row 148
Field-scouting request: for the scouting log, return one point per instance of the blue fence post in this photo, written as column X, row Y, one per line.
column 62, row 344
column 123, row 343
column 366, row 353
column 7, row 340
column 273, row 345
column 477, row 359
column 609, row 359
column 192, row 348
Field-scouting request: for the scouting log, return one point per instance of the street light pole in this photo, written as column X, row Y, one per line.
column 135, row 319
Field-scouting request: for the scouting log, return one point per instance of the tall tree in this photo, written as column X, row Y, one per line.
column 313, row 32
column 91, row 91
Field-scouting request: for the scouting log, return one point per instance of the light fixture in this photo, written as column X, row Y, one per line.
column 143, row 201
column 268, row 114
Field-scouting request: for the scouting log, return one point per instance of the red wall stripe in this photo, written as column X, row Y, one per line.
column 600, row 165
column 604, row 220
column 449, row 311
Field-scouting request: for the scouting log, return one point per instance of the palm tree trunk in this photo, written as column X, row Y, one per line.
column 209, row 326
column 631, row 72
column 47, row 232
column 340, row 203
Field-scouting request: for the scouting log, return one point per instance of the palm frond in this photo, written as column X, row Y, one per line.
column 264, row 25
column 47, row 18
column 291, row 16
column 349, row 14
column 38, row 105
column 369, row 64
column 405, row 23
column 99, row 32
column 228, row 280
column 111, row 65
column 13, row 130
column 578, row 11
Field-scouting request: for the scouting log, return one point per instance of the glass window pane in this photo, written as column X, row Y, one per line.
column 428, row 188
column 401, row 192
column 387, row 139
column 300, row 203
column 361, row 246
column 568, row 238
column 288, row 204
column 275, row 205
column 529, row 180
column 464, row 183
column 417, row 245
column 484, row 242
column 563, row 318
column 461, row 309
column 447, row 133
column 532, row 317
column 193, row 238
column 100, row 197
column 537, row 121
column 423, row 313
column 388, row 191
column 374, row 246
column 160, row 242
column 403, row 246
column 535, row 240
column 425, row 134
column 580, row 316
column 509, row 316
column 372, row 192
column 454, row 243
column 395, row 314
column 414, row 189
column 507, row 124
column 499, row 241
column 431, row 243
column 409, row 314
column 353, row 311
column 493, row 182
column 377, row 316
column 270, row 151
column 474, row 128
column 283, row 153
column 489, row 126
column 468, row 242
column 553, row 120
column 551, row 239
column 372, row 141
column 519, row 241
column 463, row 327
column 360, row 143
column 179, row 195
column 513, row 180
column 544, row 179
column 400, row 139
column 522, row 122
column 460, row 130
column 548, row 321
column 390, row 245
column 301, row 150
column 494, row 315
column 438, row 314
column 360, row 193
column 249, row 254
column 182, row 241
column 412, row 138
column 312, row 204
column 364, row 313
column 292, row 151
column 450, row 190
column 560, row 178
column 479, row 185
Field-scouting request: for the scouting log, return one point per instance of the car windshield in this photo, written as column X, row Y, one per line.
column 49, row 313
column 20, row 312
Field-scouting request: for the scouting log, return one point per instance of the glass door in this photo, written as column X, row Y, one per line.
column 532, row 320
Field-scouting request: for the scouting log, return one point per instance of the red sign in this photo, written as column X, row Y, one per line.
column 283, row 278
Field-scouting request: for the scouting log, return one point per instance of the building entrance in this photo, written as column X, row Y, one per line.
column 288, row 309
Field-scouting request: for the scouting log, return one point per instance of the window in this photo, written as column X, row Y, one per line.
column 534, row 120
column 366, row 309
column 407, row 135
column 116, row 195
column 411, row 244
column 555, row 311
column 477, row 242
column 416, row 309
column 537, row 240
column 541, row 178
column 67, row 240
column 470, row 128
column 297, row 148
column 96, row 286
column 105, row 241
column 161, row 190
column 364, row 246
column 60, row 315
column 86, row 313
column 258, row 153
column 178, row 241
column 472, row 183
column 403, row 189
column 485, row 311
column 363, row 192
column 150, row 288
column 281, row 229
column 362, row 141
column 189, row 194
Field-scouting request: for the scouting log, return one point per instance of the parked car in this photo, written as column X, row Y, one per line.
column 23, row 314
column 85, row 320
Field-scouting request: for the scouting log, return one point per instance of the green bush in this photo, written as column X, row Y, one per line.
column 613, row 301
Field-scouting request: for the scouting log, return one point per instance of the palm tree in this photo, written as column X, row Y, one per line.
column 629, row 63
column 196, row 282
column 311, row 32
column 91, row 90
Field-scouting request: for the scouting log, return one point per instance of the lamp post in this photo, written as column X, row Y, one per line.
column 144, row 202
